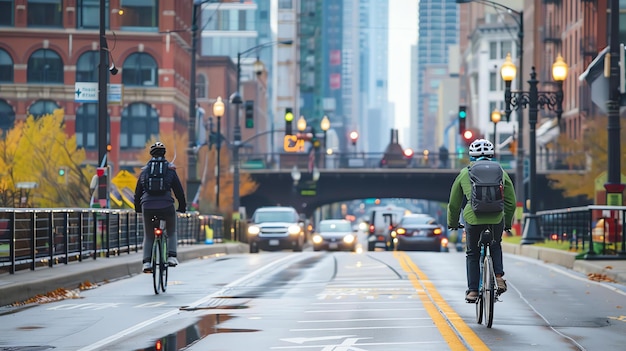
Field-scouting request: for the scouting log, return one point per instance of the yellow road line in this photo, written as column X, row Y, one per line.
column 444, row 317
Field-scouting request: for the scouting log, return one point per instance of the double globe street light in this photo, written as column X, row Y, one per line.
column 533, row 99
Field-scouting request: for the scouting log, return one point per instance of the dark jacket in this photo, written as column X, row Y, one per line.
column 145, row 200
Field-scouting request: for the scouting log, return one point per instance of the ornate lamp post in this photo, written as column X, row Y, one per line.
column 533, row 100
column 218, row 112
column 301, row 124
column 496, row 116
column 325, row 125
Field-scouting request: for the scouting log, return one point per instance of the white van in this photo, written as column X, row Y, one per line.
column 382, row 220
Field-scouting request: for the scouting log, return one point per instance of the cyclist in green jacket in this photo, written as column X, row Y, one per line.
column 460, row 193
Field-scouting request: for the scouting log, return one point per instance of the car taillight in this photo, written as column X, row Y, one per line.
column 401, row 231
column 372, row 228
column 437, row 231
column 158, row 231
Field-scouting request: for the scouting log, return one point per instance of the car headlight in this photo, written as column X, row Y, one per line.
column 317, row 239
column 293, row 229
column 437, row 231
column 254, row 230
column 349, row 239
column 401, row 231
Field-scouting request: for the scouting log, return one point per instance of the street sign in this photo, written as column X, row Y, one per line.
column 114, row 95
column 86, row 92
column 293, row 144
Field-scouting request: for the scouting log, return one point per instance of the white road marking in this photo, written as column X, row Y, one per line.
column 319, row 338
column 366, row 310
column 386, row 344
column 365, row 328
column 363, row 320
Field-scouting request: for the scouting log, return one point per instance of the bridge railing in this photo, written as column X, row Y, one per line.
column 598, row 231
column 31, row 238
column 286, row 161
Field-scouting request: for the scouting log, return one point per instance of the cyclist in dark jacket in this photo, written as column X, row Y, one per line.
column 159, row 205
column 480, row 149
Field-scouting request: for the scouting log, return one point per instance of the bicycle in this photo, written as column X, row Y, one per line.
column 487, row 290
column 159, row 255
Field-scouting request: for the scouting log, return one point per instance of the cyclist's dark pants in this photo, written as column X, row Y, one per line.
column 472, row 261
column 169, row 213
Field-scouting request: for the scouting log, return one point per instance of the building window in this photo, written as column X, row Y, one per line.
column 42, row 107
column 87, row 67
column 87, row 125
column 88, row 14
column 201, row 87
column 139, row 69
column 493, row 81
column 45, row 13
column 506, row 48
column 6, row 67
column 140, row 122
column 7, row 116
column 140, row 14
column 493, row 50
column 285, row 4
column 6, row 12
column 45, row 66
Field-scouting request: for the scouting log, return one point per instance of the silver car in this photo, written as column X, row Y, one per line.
column 335, row 234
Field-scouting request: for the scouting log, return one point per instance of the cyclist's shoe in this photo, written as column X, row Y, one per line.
column 172, row 261
column 147, row 267
column 501, row 283
column 471, row 296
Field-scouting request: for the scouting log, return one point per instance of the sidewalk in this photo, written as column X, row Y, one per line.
column 599, row 270
column 27, row 284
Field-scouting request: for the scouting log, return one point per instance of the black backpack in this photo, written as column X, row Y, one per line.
column 155, row 181
column 487, row 195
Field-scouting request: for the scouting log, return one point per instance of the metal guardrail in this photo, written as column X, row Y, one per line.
column 599, row 231
column 31, row 238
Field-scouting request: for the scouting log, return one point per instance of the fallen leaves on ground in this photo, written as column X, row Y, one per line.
column 599, row 277
column 58, row 295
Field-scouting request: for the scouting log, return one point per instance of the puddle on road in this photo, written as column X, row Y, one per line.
column 202, row 328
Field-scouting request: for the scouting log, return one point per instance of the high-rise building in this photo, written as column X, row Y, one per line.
column 438, row 30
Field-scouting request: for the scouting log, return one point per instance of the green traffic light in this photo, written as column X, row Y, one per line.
column 462, row 114
column 61, row 171
column 288, row 116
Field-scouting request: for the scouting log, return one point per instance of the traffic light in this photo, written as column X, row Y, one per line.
column 249, row 107
column 62, row 171
column 468, row 136
column 62, row 178
column 462, row 119
column 288, row 121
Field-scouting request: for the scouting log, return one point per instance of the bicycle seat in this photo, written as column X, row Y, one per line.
column 486, row 237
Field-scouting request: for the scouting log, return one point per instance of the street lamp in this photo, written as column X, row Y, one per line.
column 236, row 99
column 218, row 112
column 496, row 116
column 533, row 99
column 518, row 17
column 325, row 125
column 301, row 124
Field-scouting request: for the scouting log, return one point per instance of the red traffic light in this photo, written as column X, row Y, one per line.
column 468, row 135
column 100, row 171
column 408, row 153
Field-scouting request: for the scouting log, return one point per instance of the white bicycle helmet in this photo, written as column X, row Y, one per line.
column 481, row 148
column 157, row 149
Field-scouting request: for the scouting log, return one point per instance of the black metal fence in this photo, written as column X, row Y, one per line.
column 598, row 231
column 31, row 238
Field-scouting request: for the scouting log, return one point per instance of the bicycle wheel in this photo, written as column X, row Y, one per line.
column 490, row 290
column 156, row 265
column 163, row 276
column 479, row 307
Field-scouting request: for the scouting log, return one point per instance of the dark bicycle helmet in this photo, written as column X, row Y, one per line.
column 157, row 149
column 481, row 148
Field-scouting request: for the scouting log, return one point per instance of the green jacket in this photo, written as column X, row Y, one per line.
column 461, row 190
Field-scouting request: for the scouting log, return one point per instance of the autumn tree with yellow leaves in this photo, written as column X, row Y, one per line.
column 589, row 154
column 33, row 152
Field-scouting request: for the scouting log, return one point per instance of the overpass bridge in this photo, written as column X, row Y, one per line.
column 276, row 186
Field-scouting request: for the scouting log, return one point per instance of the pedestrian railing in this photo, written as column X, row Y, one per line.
column 597, row 231
column 31, row 238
